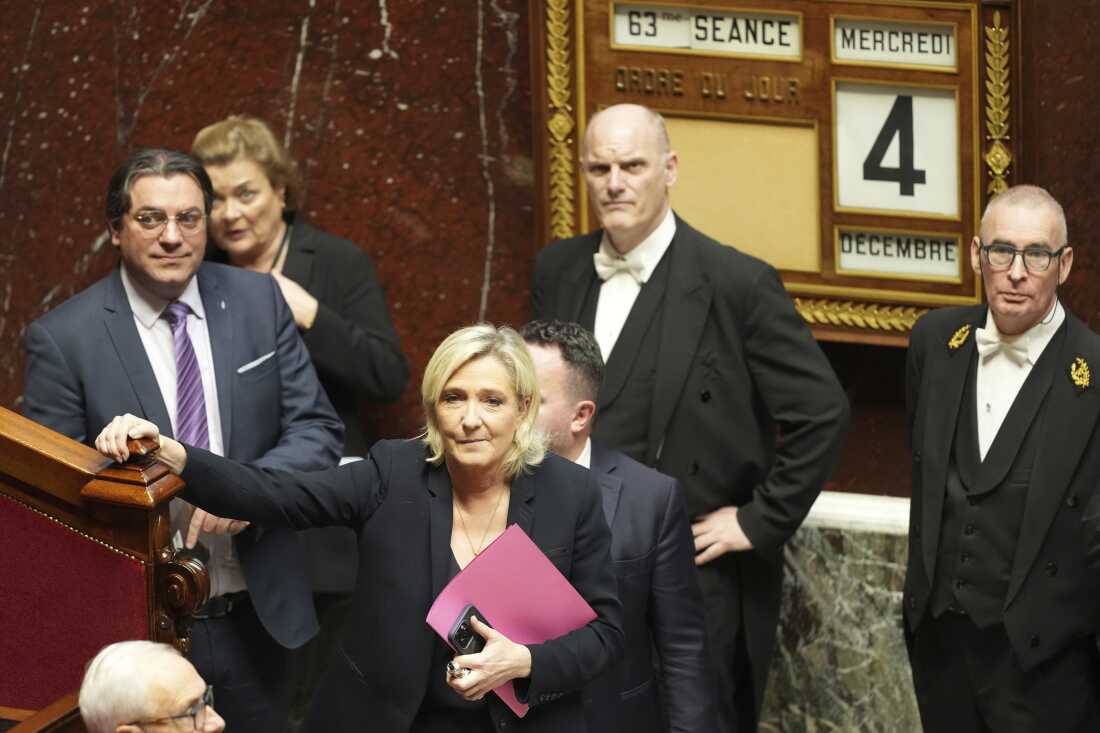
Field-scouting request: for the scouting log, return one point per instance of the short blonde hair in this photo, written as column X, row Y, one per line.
column 238, row 136
column 474, row 342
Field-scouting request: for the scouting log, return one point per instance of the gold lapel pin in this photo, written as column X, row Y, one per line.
column 959, row 337
column 1080, row 374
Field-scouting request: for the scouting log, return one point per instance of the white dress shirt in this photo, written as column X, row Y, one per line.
column 1000, row 377
column 585, row 458
column 618, row 292
column 156, row 336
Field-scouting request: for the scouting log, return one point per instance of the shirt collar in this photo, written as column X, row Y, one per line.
column 650, row 250
column 147, row 306
column 585, row 458
column 1038, row 336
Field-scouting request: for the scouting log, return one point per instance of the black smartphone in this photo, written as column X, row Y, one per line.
column 463, row 638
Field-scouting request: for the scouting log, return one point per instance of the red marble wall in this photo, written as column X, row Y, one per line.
column 411, row 121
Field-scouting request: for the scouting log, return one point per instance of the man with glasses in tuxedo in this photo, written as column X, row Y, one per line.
column 1000, row 600
column 213, row 352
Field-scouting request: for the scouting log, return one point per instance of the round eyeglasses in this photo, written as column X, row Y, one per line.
column 1036, row 259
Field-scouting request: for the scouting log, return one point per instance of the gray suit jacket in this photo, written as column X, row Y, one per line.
column 86, row 364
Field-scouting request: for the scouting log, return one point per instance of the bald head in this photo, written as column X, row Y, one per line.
column 628, row 169
column 633, row 116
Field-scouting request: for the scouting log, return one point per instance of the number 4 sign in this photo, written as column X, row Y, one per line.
column 897, row 149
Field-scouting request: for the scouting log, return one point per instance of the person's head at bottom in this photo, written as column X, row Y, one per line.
column 145, row 687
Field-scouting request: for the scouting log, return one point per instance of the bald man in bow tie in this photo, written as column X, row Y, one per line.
column 1001, row 598
column 706, row 361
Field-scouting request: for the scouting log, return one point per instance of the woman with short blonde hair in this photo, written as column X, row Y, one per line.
column 509, row 348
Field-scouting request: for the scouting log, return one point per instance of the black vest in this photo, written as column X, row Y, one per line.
column 626, row 395
column 984, row 503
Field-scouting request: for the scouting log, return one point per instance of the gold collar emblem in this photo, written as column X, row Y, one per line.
column 1080, row 374
column 959, row 337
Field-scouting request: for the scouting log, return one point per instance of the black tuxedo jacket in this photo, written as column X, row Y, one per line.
column 352, row 342
column 1052, row 599
column 401, row 509
column 737, row 364
column 86, row 364
column 653, row 556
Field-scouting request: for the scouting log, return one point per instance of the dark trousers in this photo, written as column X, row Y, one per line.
column 247, row 668
column 968, row 679
column 728, row 657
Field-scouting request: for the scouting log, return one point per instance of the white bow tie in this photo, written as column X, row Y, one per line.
column 608, row 266
column 990, row 342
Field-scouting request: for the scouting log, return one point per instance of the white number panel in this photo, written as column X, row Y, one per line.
column 897, row 149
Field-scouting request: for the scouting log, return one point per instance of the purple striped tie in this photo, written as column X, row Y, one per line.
column 190, row 402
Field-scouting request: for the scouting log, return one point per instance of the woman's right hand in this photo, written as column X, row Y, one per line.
column 111, row 441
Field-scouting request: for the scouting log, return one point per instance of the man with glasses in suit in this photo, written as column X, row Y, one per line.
column 211, row 352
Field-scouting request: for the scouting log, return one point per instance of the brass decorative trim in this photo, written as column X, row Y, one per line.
column 998, row 156
column 872, row 316
column 560, row 123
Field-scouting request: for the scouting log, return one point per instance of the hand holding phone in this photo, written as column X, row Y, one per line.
column 462, row 637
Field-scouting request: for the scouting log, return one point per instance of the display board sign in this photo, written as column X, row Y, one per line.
column 850, row 144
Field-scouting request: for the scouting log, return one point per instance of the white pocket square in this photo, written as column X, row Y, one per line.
column 254, row 363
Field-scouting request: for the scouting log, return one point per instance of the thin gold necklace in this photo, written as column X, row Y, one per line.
column 488, row 526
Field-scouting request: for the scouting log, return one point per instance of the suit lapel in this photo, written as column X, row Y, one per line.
column 440, row 517
column 687, row 301
column 1002, row 453
column 604, row 466
column 939, row 431
column 637, row 325
column 300, row 255
column 521, row 504
column 1073, row 415
column 119, row 320
column 219, row 324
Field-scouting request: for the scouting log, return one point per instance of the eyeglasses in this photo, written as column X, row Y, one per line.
column 1036, row 259
column 197, row 712
column 154, row 220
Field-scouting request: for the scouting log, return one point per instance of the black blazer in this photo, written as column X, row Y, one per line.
column 401, row 508
column 1052, row 599
column 737, row 364
column 653, row 555
column 358, row 359
column 86, row 364
column 352, row 342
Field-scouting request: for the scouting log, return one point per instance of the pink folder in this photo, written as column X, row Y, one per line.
column 521, row 594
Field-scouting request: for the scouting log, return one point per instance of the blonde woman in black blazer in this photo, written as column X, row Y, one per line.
column 422, row 510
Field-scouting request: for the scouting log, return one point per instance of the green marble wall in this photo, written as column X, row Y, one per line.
column 840, row 662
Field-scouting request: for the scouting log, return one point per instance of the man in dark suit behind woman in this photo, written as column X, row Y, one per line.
column 660, row 685
column 230, row 373
column 708, row 362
